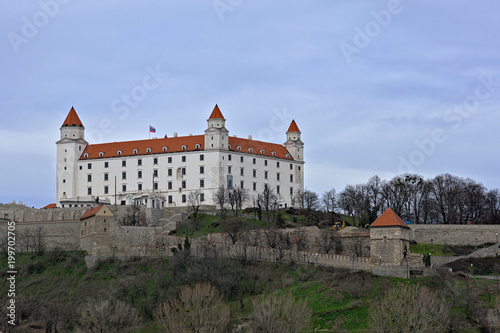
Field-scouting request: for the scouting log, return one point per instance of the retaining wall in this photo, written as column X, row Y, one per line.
column 453, row 234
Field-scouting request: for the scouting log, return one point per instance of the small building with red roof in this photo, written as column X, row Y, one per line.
column 167, row 171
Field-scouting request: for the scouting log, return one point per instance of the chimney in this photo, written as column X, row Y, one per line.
column 175, row 134
column 249, row 137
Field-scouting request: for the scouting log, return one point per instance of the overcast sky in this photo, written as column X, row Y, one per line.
column 376, row 87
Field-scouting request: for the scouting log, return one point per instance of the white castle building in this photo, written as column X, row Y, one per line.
column 162, row 172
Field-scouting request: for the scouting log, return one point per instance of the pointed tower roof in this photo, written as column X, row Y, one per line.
column 389, row 219
column 72, row 119
column 216, row 114
column 293, row 127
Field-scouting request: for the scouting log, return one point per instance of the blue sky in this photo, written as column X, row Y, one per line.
column 376, row 87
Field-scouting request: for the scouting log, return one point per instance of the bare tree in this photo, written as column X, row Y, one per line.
column 237, row 197
column 280, row 314
column 109, row 316
column 329, row 201
column 268, row 200
column 272, row 237
column 134, row 216
column 196, row 309
column 298, row 238
column 38, row 241
column 410, row 308
column 220, row 199
column 194, row 200
column 326, row 240
column 233, row 228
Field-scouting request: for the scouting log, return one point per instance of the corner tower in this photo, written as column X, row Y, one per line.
column 216, row 134
column 293, row 143
column 69, row 149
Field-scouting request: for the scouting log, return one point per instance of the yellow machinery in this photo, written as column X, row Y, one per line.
column 338, row 225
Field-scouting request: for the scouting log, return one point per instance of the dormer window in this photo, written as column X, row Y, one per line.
column 184, row 147
column 273, row 153
column 238, row 147
column 250, row 150
column 148, row 150
column 86, row 155
column 262, row 151
column 119, row 152
column 197, row 146
column 287, row 155
column 136, row 151
column 165, row 148
column 101, row 154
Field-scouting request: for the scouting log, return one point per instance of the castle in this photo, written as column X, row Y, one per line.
column 165, row 172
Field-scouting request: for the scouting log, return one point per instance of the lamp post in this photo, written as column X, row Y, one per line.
column 496, row 234
column 380, row 260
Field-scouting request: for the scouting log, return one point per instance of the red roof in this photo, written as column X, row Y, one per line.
column 389, row 219
column 175, row 144
column 50, row 206
column 293, row 127
column 72, row 119
column 216, row 114
column 91, row 212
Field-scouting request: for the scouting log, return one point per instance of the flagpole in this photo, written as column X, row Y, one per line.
column 149, row 132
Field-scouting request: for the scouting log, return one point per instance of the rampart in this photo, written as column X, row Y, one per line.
column 453, row 234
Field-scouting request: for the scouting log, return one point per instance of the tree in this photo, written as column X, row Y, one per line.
column 410, row 308
column 196, row 309
column 38, row 241
column 310, row 203
column 194, row 200
column 109, row 316
column 268, row 200
column 220, row 199
column 237, row 197
column 329, row 201
column 326, row 240
column 233, row 228
column 134, row 216
column 272, row 237
column 280, row 314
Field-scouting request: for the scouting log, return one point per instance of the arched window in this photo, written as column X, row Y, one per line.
column 86, row 155
column 101, row 154
column 119, row 152
column 148, row 150
column 165, row 148
column 136, row 151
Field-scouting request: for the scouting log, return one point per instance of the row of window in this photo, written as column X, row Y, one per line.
column 148, row 150
column 139, row 161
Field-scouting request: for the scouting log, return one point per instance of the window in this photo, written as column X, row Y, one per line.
column 202, row 157
column 169, row 184
column 266, row 186
column 170, row 199
column 250, row 150
column 183, row 198
column 89, row 178
column 202, row 169
column 183, row 171
column 106, row 176
column 277, row 189
column 84, row 155
column 265, row 174
column 254, row 186
column 229, row 181
column 241, row 159
column 124, row 163
column 148, row 150
column 104, row 229
column 291, row 178
column 183, row 184
column 165, row 148
column 278, row 176
column 124, row 175
column 299, row 167
column 155, row 173
column 183, row 147
column 273, row 153
column 169, row 160
column 139, row 187
column 80, row 165
column 119, row 152
column 169, row 172
column 106, row 164
column 262, row 151
column 139, row 161
column 254, row 161
column 291, row 166
column 229, row 157
column 89, row 166
column 202, row 183
column 64, row 180
column 155, row 185
column 89, row 190
column 265, row 162
column 101, row 154
column 278, row 164
column 242, row 184
column 291, row 191
column 139, row 174
column 202, row 197
column 124, row 188
column 254, row 173
column 229, row 169
column 155, row 160
column 183, row 158
column 135, row 151
column 106, row 190
column 197, row 146
column 242, row 171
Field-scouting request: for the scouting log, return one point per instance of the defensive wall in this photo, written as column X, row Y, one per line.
column 454, row 234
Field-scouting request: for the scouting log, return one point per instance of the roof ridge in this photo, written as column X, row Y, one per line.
column 216, row 113
column 389, row 218
column 293, row 127
column 72, row 119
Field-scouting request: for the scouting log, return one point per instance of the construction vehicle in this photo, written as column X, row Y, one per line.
column 338, row 225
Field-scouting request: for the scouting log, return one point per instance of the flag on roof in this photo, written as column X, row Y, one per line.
column 152, row 129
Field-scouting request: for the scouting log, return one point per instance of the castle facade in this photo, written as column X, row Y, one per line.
column 168, row 172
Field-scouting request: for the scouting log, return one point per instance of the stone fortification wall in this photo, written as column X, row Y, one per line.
column 454, row 234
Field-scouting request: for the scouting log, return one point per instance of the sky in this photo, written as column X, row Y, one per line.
column 376, row 87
